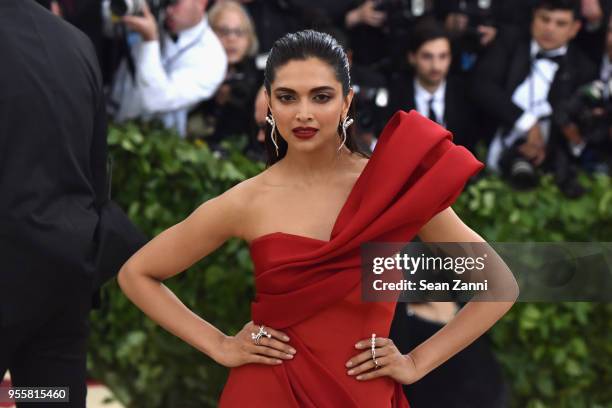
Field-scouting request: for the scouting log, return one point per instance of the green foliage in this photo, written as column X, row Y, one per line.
column 555, row 355
column 160, row 179
column 499, row 213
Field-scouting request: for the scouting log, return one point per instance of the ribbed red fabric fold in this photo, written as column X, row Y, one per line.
column 415, row 172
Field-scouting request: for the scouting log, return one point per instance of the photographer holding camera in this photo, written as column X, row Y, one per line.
column 472, row 27
column 61, row 237
column 174, row 69
column 589, row 117
column 521, row 82
column 380, row 29
column 230, row 112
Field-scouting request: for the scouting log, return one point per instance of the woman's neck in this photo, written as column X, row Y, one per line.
column 316, row 166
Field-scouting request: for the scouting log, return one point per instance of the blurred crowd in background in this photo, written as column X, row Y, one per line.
column 523, row 84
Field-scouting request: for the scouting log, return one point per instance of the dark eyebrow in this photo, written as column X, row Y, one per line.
column 322, row 88
column 314, row 90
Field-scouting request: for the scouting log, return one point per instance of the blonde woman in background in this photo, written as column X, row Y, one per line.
column 234, row 27
column 230, row 111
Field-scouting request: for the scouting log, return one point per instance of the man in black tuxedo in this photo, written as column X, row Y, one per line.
column 60, row 235
column 521, row 82
column 429, row 89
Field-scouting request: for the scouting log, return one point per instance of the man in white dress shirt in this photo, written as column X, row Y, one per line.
column 174, row 70
column 521, row 82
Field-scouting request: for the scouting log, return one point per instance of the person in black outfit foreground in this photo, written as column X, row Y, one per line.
column 60, row 235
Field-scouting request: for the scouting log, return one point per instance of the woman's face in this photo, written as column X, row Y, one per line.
column 307, row 103
column 232, row 31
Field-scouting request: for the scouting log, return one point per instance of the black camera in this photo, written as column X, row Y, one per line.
column 243, row 84
column 478, row 13
column 591, row 109
column 370, row 101
column 135, row 7
column 516, row 169
column 407, row 9
column 114, row 10
column 402, row 14
column 371, row 97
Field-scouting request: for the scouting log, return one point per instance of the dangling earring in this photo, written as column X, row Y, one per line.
column 272, row 122
column 345, row 124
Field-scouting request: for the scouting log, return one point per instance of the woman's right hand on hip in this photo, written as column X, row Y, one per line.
column 241, row 349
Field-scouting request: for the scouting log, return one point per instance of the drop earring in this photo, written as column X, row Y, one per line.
column 345, row 124
column 272, row 122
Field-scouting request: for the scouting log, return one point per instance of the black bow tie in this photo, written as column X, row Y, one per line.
column 554, row 58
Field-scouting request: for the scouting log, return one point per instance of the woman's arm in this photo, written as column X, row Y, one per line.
column 475, row 318
column 172, row 252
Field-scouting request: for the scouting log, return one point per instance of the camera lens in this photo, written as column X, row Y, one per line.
column 522, row 174
column 119, row 7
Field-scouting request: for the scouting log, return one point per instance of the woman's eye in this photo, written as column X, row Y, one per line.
column 285, row 98
column 322, row 98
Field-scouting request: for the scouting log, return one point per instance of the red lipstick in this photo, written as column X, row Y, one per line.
column 305, row 132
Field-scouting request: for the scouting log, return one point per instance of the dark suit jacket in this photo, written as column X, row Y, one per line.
column 60, row 236
column 506, row 66
column 459, row 115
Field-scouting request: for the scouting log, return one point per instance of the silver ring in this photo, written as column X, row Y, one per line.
column 373, row 349
column 376, row 365
column 262, row 332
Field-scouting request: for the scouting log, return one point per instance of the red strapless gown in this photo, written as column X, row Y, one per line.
column 310, row 288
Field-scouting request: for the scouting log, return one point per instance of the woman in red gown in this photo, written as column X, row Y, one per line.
column 309, row 343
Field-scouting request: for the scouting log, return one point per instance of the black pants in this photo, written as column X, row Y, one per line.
column 50, row 352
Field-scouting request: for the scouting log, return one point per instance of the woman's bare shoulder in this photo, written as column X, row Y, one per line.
column 250, row 189
column 242, row 199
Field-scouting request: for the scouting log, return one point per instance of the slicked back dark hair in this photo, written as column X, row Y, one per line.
column 301, row 46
